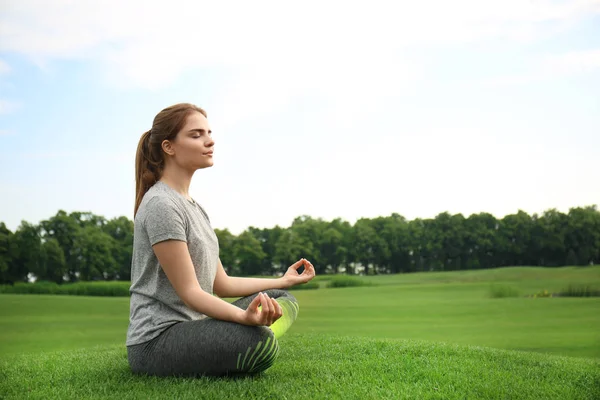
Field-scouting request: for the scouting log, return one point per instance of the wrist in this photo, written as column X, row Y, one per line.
column 239, row 316
column 284, row 282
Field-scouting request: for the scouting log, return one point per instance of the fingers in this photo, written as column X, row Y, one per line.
column 271, row 311
column 266, row 307
column 253, row 306
column 309, row 270
column 277, row 310
column 297, row 264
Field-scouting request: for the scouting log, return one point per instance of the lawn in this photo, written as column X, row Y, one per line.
column 319, row 367
column 453, row 307
column 426, row 335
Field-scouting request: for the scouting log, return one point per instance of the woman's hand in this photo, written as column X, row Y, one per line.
column 292, row 277
column 269, row 312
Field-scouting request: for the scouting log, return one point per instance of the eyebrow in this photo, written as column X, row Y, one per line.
column 199, row 130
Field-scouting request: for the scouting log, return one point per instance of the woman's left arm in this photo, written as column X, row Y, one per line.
column 230, row 286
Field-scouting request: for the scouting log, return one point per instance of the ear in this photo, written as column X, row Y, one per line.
column 167, row 147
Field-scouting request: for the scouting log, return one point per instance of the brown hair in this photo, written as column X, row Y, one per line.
column 150, row 158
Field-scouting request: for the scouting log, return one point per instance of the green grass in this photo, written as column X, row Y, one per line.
column 34, row 323
column 411, row 336
column 319, row 367
column 453, row 307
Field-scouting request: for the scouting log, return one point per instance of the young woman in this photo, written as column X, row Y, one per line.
column 177, row 326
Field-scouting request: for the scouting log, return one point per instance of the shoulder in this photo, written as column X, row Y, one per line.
column 159, row 204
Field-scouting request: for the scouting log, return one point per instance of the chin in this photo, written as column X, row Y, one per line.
column 205, row 165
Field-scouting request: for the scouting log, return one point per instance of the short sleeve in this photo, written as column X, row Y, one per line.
column 164, row 221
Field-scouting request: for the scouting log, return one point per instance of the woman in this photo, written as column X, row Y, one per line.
column 177, row 326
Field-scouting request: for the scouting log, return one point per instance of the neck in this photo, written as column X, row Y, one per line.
column 179, row 180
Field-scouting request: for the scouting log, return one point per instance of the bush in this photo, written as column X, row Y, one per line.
column 581, row 290
column 111, row 288
column 544, row 293
column 305, row 286
column 499, row 291
column 346, row 281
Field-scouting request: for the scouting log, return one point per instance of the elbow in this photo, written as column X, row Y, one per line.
column 189, row 296
column 221, row 288
column 218, row 290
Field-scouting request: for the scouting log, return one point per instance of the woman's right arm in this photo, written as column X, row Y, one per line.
column 175, row 260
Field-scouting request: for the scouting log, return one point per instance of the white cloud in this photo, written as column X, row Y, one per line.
column 150, row 45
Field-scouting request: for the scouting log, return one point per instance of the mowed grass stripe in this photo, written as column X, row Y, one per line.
column 453, row 311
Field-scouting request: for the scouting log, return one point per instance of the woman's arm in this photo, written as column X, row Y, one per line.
column 175, row 260
column 229, row 286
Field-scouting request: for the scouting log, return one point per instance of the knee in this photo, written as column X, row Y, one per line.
column 263, row 355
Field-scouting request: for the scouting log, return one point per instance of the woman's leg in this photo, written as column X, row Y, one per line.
column 206, row 347
column 214, row 347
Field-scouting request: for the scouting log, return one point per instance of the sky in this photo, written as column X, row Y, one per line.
column 319, row 108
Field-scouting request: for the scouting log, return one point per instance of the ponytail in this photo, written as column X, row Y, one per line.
column 145, row 174
column 149, row 159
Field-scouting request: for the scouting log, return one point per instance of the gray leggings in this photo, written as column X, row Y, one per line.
column 212, row 347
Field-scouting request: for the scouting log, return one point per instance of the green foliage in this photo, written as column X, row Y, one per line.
column 305, row 286
column 83, row 246
column 100, row 288
column 499, row 291
column 226, row 250
column 580, row 290
column 341, row 281
column 248, row 253
column 55, row 266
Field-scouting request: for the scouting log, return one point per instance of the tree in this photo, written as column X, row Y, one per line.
column 55, row 266
column 28, row 252
column 549, row 233
column 366, row 245
column 309, row 233
column 9, row 269
column 249, row 254
column 65, row 230
column 226, row 250
column 582, row 236
column 481, row 231
column 291, row 247
column 93, row 253
column 121, row 231
column 332, row 250
column 514, row 240
column 268, row 238
column 395, row 232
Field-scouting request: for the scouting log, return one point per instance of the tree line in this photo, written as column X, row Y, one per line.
column 82, row 246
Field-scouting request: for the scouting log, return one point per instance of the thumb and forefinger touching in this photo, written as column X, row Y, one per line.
column 270, row 310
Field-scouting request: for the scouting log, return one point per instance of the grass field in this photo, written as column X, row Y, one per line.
column 407, row 336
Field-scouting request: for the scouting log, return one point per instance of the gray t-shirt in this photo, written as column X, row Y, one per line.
column 154, row 305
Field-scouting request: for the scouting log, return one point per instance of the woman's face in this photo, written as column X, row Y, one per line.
column 193, row 146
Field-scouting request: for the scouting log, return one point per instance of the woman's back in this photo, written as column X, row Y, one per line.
column 164, row 214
